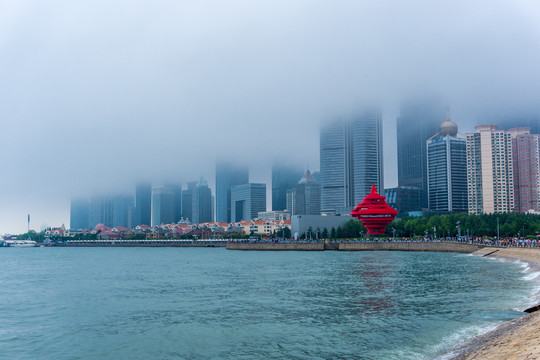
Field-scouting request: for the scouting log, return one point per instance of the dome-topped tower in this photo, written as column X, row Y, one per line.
column 448, row 127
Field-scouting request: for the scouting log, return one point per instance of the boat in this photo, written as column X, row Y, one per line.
column 20, row 243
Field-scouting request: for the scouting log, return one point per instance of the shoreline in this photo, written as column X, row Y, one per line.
column 513, row 339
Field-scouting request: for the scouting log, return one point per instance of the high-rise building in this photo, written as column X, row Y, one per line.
column 490, row 171
column 79, row 214
column 202, row 209
column 507, row 121
column 163, row 206
column 526, row 161
column 177, row 200
column 227, row 176
column 247, row 201
column 284, row 178
column 351, row 161
column 143, row 204
column 417, row 122
column 187, row 201
column 110, row 211
column 447, row 170
column 291, row 201
column 404, row 199
column 307, row 196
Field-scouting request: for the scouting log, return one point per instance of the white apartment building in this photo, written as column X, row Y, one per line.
column 490, row 179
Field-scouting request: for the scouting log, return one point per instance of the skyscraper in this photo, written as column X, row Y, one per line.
column 490, row 171
column 284, row 178
column 163, row 206
column 247, row 201
column 79, row 214
column 447, row 170
column 417, row 122
column 307, row 196
column 110, row 211
column 526, row 161
column 177, row 188
column 187, row 201
column 143, row 204
column 351, row 160
column 227, row 176
column 202, row 203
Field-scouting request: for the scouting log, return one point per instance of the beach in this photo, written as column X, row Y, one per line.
column 515, row 339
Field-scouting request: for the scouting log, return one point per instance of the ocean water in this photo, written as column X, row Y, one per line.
column 210, row 303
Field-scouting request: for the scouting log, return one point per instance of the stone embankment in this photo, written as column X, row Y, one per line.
column 276, row 246
column 435, row 246
column 356, row 246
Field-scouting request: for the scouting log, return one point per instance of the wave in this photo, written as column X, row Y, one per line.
column 461, row 337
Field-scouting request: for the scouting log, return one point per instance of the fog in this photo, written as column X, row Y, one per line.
column 98, row 94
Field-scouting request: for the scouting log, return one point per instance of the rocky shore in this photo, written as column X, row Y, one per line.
column 515, row 339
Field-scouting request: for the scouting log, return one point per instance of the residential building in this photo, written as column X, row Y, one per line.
column 351, row 161
column 247, row 201
column 490, row 171
column 307, row 196
column 526, row 161
column 417, row 122
column 284, row 178
column 447, row 170
column 227, row 176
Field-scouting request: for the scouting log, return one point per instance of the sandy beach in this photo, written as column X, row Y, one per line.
column 515, row 339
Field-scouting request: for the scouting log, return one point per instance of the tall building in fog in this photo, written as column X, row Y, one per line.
column 307, row 196
column 177, row 188
column 187, row 201
column 284, row 178
column 351, row 160
column 163, row 206
column 490, row 171
column 417, row 122
column 110, row 211
column 227, row 176
column 79, row 214
column 447, row 170
column 526, row 162
column 143, row 204
column 202, row 209
column 247, row 201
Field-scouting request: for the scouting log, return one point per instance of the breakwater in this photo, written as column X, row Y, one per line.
column 435, row 246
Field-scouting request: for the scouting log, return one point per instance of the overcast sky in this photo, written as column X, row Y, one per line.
column 97, row 94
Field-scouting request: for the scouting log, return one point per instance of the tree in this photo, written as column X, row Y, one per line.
column 333, row 233
column 325, row 233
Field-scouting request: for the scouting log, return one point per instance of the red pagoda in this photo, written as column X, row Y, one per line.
column 374, row 212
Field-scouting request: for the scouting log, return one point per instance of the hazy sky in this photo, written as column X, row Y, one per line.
column 97, row 94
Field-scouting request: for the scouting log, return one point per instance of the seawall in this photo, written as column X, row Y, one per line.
column 276, row 246
column 358, row 246
column 435, row 246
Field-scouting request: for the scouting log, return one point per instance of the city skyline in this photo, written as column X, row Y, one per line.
column 157, row 93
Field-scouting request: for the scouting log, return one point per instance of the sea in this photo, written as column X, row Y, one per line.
column 211, row 303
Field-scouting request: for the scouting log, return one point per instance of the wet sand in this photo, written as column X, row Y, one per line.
column 514, row 339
